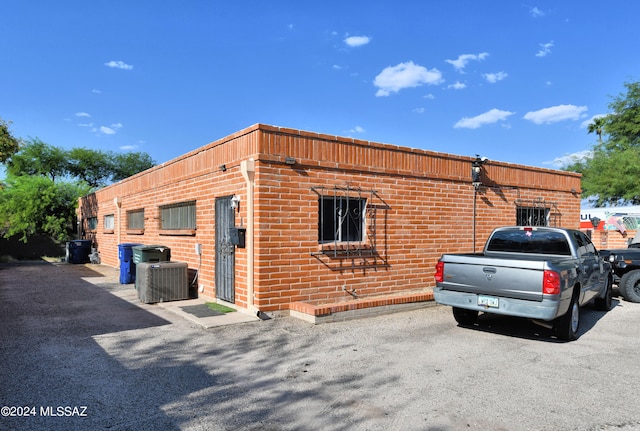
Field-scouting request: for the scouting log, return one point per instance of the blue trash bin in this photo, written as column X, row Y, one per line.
column 78, row 251
column 127, row 265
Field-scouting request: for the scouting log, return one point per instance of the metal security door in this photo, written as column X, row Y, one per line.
column 225, row 251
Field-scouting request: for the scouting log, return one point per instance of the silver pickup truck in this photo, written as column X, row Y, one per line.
column 541, row 273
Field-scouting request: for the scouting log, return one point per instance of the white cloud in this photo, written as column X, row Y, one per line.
column 430, row 96
column 82, row 114
column 96, row 91
column 457, row 85
column 568, row 159
column 463, row 59
column 85, row 125
column 405, row 75
column 418, row 110
column 354, row 41
column 337, row 67
column 495, row 77
column 555, row 114
column 586, row 123
column 119, row 65
column 357, row 129
column 546, row 49
column 128, row 147
column 535, row 12
column 111, row 130
column 489, row 117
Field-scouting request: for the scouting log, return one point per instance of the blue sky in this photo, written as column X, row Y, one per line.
column 513, row 81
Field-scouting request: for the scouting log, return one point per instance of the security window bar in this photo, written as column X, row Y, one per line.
column 109, row 222
column 537, row 212
column 92, row 223
column 532, row 216
column 178, row 216
column 341, row 219
column 135, row 219
column 352, row 228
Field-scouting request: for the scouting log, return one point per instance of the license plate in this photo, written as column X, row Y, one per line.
column 488, row 301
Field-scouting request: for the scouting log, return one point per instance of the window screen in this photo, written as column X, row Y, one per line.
column 135, row 219
column 92, row 223
column 179, row 216
column 109, row 222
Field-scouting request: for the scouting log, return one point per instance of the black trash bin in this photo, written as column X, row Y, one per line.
column 78, row 251
column 127, row 266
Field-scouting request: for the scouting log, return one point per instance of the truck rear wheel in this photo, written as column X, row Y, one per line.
column 630, row 288
column 465, row 317
column 567, row 326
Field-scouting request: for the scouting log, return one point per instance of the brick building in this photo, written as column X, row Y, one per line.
column 289, row 221
column 614, row 226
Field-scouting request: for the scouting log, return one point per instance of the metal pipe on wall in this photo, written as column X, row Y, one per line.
column 118, row 202
column 247, row 168
column 475, row 197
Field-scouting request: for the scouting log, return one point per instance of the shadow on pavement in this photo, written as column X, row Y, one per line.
column 68, row 342
column 49, row 318
column 526, row 329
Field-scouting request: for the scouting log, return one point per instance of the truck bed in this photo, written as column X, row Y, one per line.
column 506, row 276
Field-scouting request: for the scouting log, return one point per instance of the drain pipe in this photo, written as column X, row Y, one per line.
column 247, row 168
column 118, row 202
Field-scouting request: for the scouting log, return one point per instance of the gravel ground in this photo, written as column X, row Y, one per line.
column 79, row 352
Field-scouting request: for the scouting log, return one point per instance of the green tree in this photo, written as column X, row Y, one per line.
column 94, row 167
column 44, row 183
column 38, row 158
column 128, row 164
column 9, row 145
column 597, row 126
column 99, row 168
column 623, row 125
column 32, row 204
column 612, row 174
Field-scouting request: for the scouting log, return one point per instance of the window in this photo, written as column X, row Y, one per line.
column 92, row 223
column 135, row 219
column 532, row 216
column 537, row 242
column 352, row 226
column 585, row 246
column 109, row 222
column 178, row 216
column 342, row 219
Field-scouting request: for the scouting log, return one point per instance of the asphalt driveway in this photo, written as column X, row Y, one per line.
column 78, row 352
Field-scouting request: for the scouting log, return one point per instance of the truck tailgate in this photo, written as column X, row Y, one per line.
column 511, row 278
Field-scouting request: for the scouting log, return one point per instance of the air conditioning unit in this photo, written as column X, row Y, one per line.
column 162, row 281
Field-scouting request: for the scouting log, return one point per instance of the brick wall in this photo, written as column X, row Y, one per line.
column 420, row 204
column 610, row 239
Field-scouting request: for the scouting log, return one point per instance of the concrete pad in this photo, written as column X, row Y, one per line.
column 109, row 280
column 222, row 319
